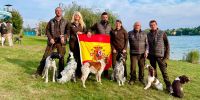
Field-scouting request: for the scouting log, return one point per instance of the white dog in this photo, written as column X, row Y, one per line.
column 118, row 72
column 50, row 64
column 152, row 80
column 69, row 72
column 93, row 67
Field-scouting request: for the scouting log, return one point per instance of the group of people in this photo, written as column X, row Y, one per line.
column 6, row 31
column 153, row 45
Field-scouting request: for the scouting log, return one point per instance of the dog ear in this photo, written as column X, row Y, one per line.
column 184, row 79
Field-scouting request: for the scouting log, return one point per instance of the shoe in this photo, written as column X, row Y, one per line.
column 131, row 82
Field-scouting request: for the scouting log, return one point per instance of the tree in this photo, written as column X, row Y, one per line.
column 42, row 28
column 17, row 22
column 90, row 17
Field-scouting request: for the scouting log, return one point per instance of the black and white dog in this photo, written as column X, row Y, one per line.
column 69, row 72
column 118, row 72
column 50, row 64
column 177, row 86
column 152, row 80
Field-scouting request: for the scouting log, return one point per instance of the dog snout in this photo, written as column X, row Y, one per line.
column 147, row 66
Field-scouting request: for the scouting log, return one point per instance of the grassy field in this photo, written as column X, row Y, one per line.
column 19, row 62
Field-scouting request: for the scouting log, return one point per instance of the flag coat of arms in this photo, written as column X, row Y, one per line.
column 95, row 48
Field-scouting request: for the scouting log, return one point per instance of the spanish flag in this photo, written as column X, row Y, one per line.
column 95, row 48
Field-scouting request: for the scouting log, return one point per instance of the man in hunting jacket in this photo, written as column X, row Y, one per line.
column 55, row 31
column 159, row 51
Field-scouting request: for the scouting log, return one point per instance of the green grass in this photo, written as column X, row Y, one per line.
column 19, row 62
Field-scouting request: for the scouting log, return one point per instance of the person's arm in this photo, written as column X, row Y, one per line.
column 48, row 31
column 93, row 28
column 66, row 33
column 111, row 40
column 146, row 46
column 67, row 30
column 167, row 47
column 125, row 39
column 84, row 30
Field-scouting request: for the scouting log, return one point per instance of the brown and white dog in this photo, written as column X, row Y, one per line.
column 93, row 67
column 152, row 80
column 177, row 86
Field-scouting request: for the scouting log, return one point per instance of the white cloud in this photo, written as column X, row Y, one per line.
column 169, row 13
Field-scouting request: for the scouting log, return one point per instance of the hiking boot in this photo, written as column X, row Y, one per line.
column 131, row 82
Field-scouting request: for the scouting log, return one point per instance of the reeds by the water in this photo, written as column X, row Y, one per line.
column 193, row 56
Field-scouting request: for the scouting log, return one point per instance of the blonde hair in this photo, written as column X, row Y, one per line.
column 80, row 20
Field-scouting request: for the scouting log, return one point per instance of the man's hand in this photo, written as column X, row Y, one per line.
column 89, row 34
column 145, row 54
column 52, row 41
column 79, row 32
column 62, row 38
column 124, row 51
column 114, row 51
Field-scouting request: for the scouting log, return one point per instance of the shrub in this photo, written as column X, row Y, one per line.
column 193, row 56
column 90, row 17
column 17, row 21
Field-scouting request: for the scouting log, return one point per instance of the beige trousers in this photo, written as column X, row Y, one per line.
column 9, row 37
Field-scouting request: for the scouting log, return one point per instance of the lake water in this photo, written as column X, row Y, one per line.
column 181, row 45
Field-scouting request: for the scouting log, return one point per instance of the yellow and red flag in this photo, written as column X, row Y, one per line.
column 95, row 48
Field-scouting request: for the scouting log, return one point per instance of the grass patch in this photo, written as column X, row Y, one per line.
column 193, row 57
column 17, row 63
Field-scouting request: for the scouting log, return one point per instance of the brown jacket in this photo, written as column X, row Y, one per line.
column 55, row 28
column 119, row 39
column 158, row 44
column 138, row 42
column 101, row 28
column 72, row 30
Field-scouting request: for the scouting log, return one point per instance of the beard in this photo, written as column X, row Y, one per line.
column 104, row 21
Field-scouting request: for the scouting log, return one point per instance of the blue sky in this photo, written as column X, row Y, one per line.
column 169, row 13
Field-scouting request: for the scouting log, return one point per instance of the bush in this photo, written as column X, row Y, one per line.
column 17, row 21
column 193, row 56
column 42, row 28
column 90, row 17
